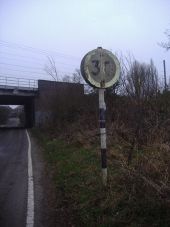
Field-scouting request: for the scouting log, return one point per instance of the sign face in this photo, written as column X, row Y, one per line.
column 100, row 68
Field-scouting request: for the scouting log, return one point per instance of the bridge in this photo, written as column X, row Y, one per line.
column 35, row 95
column 19, row 91
column 18, row 83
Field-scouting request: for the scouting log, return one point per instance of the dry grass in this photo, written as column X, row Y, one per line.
column 138, row 191
column 138, row 194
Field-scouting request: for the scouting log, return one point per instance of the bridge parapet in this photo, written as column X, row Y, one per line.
column 18, row 83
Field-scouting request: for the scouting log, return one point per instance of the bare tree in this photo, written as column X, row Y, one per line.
column 77, row 77
column 166, row 45
column 141, row 80
column 51, row 68
column 140, row 83
column 66, row 78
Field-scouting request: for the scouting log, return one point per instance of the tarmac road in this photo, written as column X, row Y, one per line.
column 13, row 177
column 13, row 122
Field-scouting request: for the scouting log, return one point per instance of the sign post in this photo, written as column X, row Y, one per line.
column 102, row 120
column 101, row 69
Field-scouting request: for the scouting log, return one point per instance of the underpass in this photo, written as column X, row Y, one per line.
column 17, row 91
column 16, row 197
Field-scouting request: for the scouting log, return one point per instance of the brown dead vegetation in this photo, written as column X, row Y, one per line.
column 138, row 136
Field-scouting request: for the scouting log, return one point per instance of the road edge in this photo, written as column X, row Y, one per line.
column 30, row 200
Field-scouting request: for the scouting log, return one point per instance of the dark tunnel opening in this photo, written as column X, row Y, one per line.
column 12, row 116
column 17, row 112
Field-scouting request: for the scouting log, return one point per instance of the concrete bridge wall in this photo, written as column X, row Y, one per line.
column 41, row 104
column 55, row 97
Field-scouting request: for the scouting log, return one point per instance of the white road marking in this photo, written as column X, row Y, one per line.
column 30, row 201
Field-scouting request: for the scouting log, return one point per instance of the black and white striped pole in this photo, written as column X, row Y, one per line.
column 102, row 121
column 101, row 69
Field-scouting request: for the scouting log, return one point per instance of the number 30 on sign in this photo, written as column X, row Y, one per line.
column 100, row 68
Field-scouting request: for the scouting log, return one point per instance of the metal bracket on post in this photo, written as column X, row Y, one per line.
column 102, row 121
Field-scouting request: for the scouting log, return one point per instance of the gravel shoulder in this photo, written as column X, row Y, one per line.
column 44, row 191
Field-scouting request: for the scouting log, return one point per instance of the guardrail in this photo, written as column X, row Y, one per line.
column 18, row 83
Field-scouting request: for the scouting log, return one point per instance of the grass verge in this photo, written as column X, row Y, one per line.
column 129, row 199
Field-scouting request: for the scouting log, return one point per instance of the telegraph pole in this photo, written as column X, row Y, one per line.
column 165, row 84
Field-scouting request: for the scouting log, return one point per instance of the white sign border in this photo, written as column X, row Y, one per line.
column 90, row 80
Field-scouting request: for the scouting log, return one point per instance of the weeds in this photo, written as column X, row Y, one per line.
column 138, row 138
column 137, row 194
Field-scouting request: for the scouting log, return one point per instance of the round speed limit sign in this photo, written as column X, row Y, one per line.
column 100, row 68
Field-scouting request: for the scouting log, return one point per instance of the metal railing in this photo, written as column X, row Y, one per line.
column 18, row 83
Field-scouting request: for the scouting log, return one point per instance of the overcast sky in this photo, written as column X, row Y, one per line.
column 68, row 29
